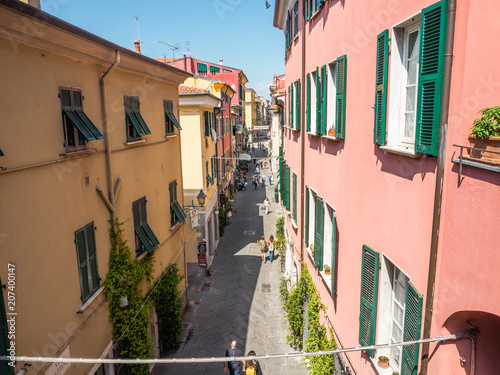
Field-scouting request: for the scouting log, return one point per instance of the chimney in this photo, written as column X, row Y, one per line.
column 221, row 62
column 137, row 46
column 33, row 3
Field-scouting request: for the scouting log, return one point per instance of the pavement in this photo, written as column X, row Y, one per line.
column 240, row 300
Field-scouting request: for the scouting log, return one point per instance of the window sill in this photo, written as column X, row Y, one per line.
column 295, row 37
column 168, row 136
column 383, row 371
column 327, row 278
column 314, row 134
column 70, row 154
column 331, row 138
column 401, row 150
column 294, row 224
column 90, row 300
column 174, row 227
column 132, row 143
column 140, row 257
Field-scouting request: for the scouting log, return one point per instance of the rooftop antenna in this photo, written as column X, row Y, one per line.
column 137, row 21
column 187, row 48
column 173, row 48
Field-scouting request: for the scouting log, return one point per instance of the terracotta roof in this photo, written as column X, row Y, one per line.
column 191, row 90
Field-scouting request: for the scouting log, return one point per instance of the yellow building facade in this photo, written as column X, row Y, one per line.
column 89, row 134
column 250, row 110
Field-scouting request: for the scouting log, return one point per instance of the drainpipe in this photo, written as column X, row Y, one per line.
column 107, row 143
column 303, row 133
column 438, row 193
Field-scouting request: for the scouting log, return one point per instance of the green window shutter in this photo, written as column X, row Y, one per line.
column 295, row 197
column 201, row 68
column 287, row 184
column 381, row 88
column 206, row 124
column 5, row 369
column 214, row 69
column 308, row 104
column 412, row 329
column 151, row 236
column 92, row 259
column 179, row 212
column 289, row 106
column 83, row 265
column 340, row 97
column 307, row 217
column 297, row 110
column 143, row 237
column 168, row 107
column 77, row 123
column 292, row 103
column 318, row 238
column 318, row 104
column 369, row 294
column 89, row 124
column 430, row 80
column 334, row 252
column 323, row 99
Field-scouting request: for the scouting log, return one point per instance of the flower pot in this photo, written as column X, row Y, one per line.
column 328, row 273
column 489, row 144
column 331, row 133
column 383, row 361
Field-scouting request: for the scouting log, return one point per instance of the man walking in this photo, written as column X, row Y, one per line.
column 234, row 366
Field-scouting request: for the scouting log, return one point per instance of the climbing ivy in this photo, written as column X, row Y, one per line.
column 279, row 243
column 305, row 291
column 168, row 305
column 124, row 279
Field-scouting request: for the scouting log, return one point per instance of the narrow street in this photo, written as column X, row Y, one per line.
column 240, row 300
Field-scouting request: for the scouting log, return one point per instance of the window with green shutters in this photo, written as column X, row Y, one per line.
column 340, row 97
column 297, row 105
column 136, row 126
column 294, row 212
column 323, row 100
column 214, row 69
column 380, row 106
column 287, row 184
column 170, row 119
column 369, row 296
column 145, row 239
column 318, row 234
column 5, row 369
column 433, row 40
column 334, row 254
column 87, row 261
column 206, row 123
column 318, row 103
column 201, row 68
column 307, row 217
column 308, row 102
column 209, row 178
column 292, row 106
column 413, row 324
column 296, row 19
column 177, row 214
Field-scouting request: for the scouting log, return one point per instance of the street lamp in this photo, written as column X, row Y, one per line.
column 228, row 166
column 201, row 198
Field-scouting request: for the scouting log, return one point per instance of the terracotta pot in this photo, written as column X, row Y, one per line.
column 490, row 144
column 328, row 273
column 383, row 361
column 331, row 133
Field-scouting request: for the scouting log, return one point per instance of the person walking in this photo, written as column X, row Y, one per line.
column 233, row 366
column 270, row 246
column 263, row 180
column 262, row 244
column 266, row 205
column 270, row 178
column 252, row 366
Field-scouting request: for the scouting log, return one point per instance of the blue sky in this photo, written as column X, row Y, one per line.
column 240, row 32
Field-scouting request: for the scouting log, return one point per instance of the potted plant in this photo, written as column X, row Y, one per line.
column 331, row 131
column 312, row 249
column 383, row 361
column 327, row 269
column 395, row 373
column 485, row 134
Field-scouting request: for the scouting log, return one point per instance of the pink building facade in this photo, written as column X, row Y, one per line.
column 372, row 182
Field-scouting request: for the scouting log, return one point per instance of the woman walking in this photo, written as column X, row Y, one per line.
column 270, row 246
column 262, row 244
column 252, row 366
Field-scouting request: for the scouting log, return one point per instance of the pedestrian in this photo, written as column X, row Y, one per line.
column 263, row 180
column 255, row 183
column 270, row 178
column 257, row 170
column 266, row 205
column 252, row 366
column 262, row 244
column 229, row 216
column 234, row 366
column 270, row 246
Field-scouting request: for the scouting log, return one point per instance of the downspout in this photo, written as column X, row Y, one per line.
column 438, row 193
column 107, row 142
column 303, row 132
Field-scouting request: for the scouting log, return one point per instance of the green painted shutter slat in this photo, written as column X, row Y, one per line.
column 77, row 123
column 334, row 252
column 142, row 122
column 290, row 108
column 318, row 239
column 340, row 97
column 5, row 369
column 298, row 109
column 412, row 329
column 318, row 103
column 149, row 232
column 141, row 233
column 206, row 130
column 89, row 124
column 295, row 197
column 308, row 104
column 135, row 122
column 307, row 217
column 288, row 184
column 81, row 250
column 179, row 212
column 92, row 259
column 369, row 294
column 169, row 112
column 381, row 88
column 292, row 104
column 323, row 99
column 430, row 81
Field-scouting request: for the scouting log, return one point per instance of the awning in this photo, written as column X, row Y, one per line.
column 245, row 157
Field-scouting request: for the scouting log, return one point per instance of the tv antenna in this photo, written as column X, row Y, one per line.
column 187, row 48
column 137, row 21
column 173, row 48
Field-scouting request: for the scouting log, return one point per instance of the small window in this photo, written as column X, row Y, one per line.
column 201, row 68
column 170, row 119
column 87, row 261
column 296, row 19
column 214, row 69
column 314, row 107
column 210, row 180
column 177, row 214
column 78, row 128
column 136, row 126
column 145, row 239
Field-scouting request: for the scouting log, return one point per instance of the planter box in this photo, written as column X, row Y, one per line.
column 490, row 144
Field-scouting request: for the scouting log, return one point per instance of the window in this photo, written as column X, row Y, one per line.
column 294, row 212
column 213, row 162
column 400, row 311
column 285, row 183
column 415, row 80
column 210, row 180
column 329, row 245
column 319, row 212
column 136, row 126
column 201, row 68
column 206, row 123
column 314, row 103
column 296, row 19
column 87, row 261
column 78, row 129
column 5, row 342
column 170, row 120
column 177, row 214
column 214, row 69
column 312, row 6
column 145, row 239
column 297, row 105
